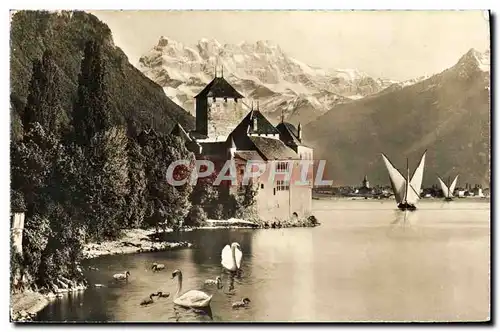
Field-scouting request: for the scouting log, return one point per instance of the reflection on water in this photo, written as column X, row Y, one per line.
column 366, row 262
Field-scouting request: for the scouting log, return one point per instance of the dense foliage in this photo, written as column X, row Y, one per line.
column 77, row 171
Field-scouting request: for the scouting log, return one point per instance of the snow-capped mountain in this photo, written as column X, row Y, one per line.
column 260, row 71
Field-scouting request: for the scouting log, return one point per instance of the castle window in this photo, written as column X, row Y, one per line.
column 282, row 166
column 282, row 185
column 225, row 99
column 235, row 100
column 261, row 186
column 255, row 124
column 214, row 99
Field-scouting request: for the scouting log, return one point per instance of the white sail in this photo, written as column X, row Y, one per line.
column 398, row 181
column 453, row 185
column 444, row 187
column 415, row 185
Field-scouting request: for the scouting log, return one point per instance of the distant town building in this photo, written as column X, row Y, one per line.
column 225, row 132
column 366, row 183
column 365, row 188
column 478, row 191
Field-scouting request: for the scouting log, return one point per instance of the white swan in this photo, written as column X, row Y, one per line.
column 192, row 298
column 217, row 281
column 121, row 276
column 158, row 267
column 231, row 257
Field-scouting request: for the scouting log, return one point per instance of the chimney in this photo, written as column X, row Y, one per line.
column 299, row 132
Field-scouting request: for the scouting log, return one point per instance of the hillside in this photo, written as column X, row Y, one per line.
column 448, row 114
column 133, row 96
column 259, row 71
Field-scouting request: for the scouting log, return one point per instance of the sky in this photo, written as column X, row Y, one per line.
column 397, row 45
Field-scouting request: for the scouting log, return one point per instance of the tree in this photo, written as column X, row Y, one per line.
column 137, row 197
column 44, row 104
column 106, row 183
column 91, row 110
column 206, row 195
column 32, row 160
column 168, row 205
column 195, row 217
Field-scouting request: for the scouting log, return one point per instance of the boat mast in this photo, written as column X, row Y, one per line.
column 407, row 181
column 448, row 187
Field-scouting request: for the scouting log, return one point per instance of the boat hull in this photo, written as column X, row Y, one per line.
column 406, row 206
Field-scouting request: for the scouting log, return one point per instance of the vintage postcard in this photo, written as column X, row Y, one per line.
column 250, row 166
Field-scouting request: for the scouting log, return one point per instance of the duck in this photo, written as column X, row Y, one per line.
column 158, row 267
column 192, row 298
column 161, row 294
column 231, row 257
column 121, row 276
column 148, row 300
column 217, row 281
column 243, row 303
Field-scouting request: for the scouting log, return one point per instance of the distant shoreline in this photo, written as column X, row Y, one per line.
column 362, row 198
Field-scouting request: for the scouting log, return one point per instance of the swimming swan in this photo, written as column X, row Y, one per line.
column 158, row 267
column 192, row 298
column 231, row 257
column 148, row 300
column 161, row 294
column 243, row 303
column 217, row 281
column 121, row 276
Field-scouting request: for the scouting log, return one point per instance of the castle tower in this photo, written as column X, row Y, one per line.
column 218, row 109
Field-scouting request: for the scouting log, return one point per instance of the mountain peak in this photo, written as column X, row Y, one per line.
column 166, row 41
column 476, row 59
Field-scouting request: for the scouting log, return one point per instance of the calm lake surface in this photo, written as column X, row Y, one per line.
column 366, row 262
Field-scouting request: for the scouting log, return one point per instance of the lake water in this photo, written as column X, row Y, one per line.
column 366, row 262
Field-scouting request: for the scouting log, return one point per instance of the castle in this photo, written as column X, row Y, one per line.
column 225, row 131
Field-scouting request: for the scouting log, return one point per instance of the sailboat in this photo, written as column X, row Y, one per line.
column 448, row 189
column 406, row 189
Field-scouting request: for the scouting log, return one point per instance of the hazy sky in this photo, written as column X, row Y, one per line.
column 397, row 44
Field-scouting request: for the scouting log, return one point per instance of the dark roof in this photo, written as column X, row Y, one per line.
column 264, row 127
column 214, row 148
column 179, row 131
column 248, row 155
column 220, row 88
column 272, row 148
column 288, row 134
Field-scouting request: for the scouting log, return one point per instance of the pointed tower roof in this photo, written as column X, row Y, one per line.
column 289, row 134
column 219, row 88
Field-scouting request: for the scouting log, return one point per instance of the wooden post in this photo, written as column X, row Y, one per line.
column 17, row 220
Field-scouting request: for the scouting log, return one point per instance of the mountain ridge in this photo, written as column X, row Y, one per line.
column 260, row 70
column 448, row 114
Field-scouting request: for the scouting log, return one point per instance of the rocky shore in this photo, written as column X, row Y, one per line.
column 24, row 306
column 132, row 241
column 310, row 221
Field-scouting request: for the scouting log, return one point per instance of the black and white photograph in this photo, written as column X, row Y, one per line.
column 240, row 166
